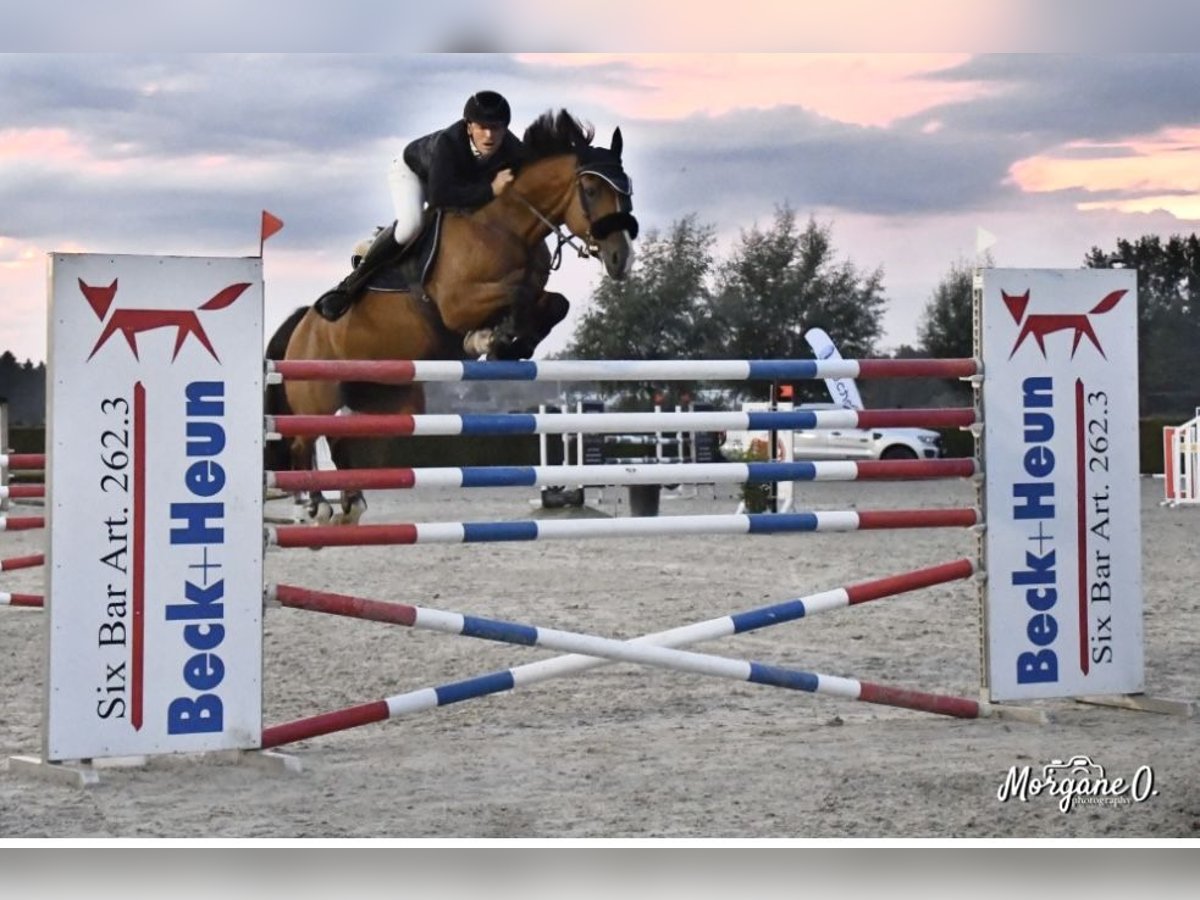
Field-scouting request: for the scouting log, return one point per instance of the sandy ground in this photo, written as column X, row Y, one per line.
column 625, row 752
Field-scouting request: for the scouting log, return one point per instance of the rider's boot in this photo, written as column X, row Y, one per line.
column 333, row 304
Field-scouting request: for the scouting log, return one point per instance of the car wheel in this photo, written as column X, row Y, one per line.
column 898, row 451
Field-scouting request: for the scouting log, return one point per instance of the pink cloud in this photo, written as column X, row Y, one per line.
column 916, row 26
column 39, row 144
column 863, row 89
column 60, row 149
column 1164, row 165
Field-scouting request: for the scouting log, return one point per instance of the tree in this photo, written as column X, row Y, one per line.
column 23, row 388
column 945, row 330
column 1168, row 318
column 780, row 282
column 661, row 309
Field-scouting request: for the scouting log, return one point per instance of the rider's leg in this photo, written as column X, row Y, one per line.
column 408, row 199
column 333, row 304
column 388, row 246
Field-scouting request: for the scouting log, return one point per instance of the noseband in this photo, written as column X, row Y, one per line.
column 623, row 220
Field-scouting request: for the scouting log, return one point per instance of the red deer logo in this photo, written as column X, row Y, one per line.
column 1041, row 324
column 132, row 322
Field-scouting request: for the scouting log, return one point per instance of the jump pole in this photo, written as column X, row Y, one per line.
column 480, row 424
column 620, row 474
column 35, row 601
column 22, row 491
column 535, row 530
column 22, row 462
column 575, row 663
column 22, row 523
column 22, row 562
column 410, row 371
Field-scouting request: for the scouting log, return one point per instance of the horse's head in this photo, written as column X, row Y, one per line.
column 595, row 195
column 601, row 212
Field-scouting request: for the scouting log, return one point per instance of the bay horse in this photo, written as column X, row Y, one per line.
column 487, row 283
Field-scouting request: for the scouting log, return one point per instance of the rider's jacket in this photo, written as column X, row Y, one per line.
column 454, row 177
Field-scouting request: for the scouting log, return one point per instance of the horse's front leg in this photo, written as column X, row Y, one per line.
column 527, row 324
column 474, row 310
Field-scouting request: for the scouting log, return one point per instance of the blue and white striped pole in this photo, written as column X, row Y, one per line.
column 404, row 533
column 619, row 474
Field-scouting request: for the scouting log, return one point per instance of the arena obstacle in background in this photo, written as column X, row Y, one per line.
column 28, row 464
column 1181, row 463
column 171, row 498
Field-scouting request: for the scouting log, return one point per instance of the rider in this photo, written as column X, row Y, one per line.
column 462, row 167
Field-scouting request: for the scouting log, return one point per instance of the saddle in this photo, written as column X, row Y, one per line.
column 410, row 270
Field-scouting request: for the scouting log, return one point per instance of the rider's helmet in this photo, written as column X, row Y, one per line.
column 487, row 108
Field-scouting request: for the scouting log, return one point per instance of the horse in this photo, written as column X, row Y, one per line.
column 484, row 294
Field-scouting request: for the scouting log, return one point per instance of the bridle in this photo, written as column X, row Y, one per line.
column 622, row 220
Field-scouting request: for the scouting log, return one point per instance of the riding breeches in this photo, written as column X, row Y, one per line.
column 408, row 199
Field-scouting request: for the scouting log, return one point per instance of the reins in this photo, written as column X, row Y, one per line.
column 584, row 250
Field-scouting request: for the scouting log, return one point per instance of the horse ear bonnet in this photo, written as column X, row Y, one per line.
column 606, row 164
column 603, row 163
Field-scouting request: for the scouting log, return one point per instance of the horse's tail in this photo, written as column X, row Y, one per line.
column 277, row 345
column 276, row 454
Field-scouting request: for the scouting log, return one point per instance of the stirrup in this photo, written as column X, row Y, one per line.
column 477, row 343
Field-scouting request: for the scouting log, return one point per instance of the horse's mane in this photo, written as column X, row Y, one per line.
column 552, row 134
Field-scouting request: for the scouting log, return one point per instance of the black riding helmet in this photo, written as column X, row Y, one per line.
column 487, row 108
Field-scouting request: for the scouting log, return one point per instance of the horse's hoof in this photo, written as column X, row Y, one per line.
column 511, row 350
column 478, row 343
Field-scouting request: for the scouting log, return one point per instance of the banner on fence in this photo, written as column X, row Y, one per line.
column 1063, row 502
column 155, row 504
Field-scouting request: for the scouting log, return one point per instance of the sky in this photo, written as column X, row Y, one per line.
column 904, row 156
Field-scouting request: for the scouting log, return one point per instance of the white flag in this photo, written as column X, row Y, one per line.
column 984, row 239
column 843, row 390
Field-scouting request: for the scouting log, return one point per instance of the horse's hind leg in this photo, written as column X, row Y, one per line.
column 354, row 503
column 304, row 458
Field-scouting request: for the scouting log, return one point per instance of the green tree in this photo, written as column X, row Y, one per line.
column 1168, row 318
column 661, row 310
column 780, row 282
column 23, row 388
column 945, row 330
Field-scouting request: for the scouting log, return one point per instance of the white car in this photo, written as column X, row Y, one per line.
column 843, row 443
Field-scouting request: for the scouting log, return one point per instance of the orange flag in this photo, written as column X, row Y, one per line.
column 270, row 225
